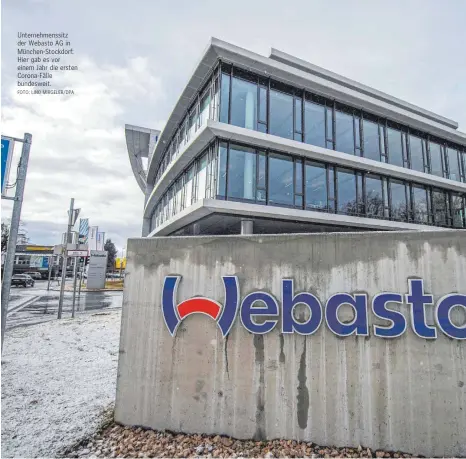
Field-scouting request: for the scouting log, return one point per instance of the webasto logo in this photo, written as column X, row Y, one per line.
column 269, row 306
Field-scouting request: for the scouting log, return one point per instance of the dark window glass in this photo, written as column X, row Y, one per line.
column 439, row 202
column 331, row 186
column 458, row 210
column 225, row 98
column 316, row 186
column 371, row 140
column 453, row 165
column 263, row 104
column 222, row 169
column 281, row 114
column 298, row 201
column 435, row 159
column 298, row 115
column 261, row 177
column 374, row 196
column 241, row 173
column 314, row 129
column 357, row 133
column 395, row 151
column 298, row 176
column 262, row 128
column 346, row 188
column 244, row 104
column 344, row 132
column 398, row 200
column 420, row 206
column 416, row 150
column 330, row 139
column 281, row 180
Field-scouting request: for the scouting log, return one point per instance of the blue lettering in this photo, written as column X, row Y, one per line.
column 417, row 300
column 397, row 321
column 359, row 325
column 289, row 324
column 247, row 311
column 444, row 307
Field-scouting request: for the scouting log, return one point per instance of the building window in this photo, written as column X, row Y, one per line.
column 371, row 140
column 440, row 209
column 261, row 194
column 201, row 181
column 222, row 170
column 316, row 186
column 281, row 189
column 453, row 158
column 420, row 204
column 281, row 114
column 435, row 150
column 417, row 148
column 188, row 187
column 225, row 98
column 344, row 132
column 298, row 183
column 244, row 104
column 204, row 108
column 398, row 201
column 374, row 196
column 458, row 210
column 241, row 173
column 346, row 192
column 395, row 148
column 314, row 127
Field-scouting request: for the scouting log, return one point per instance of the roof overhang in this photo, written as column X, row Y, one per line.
column 140, row 142
column 307, row 76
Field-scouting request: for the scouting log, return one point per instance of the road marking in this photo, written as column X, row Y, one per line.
column 23, row 305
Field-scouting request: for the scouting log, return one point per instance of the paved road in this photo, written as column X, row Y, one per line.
column 33, row 305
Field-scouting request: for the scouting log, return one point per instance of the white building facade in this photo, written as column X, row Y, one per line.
column 277, row 145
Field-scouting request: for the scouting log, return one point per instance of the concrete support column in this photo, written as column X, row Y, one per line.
column 247, row 226
column 145, row 227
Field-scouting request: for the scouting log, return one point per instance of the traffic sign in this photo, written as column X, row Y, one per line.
column 7, row 154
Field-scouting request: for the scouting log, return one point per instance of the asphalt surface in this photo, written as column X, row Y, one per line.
column 32, row 305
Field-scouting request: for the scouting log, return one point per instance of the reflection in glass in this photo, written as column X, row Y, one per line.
column 314, row 119
column 281, row 114
column 420, row 206
column 344, row 132
column 244, row 104
column 395, row 150
column 225, row 98
column 435, row 159
column 280, row 180
column 458, row 210
column 201, row 178
column 222, row 170
column 371, row 140
column 453, row 164
column 417, row 157
column 204, row 108
column 241, row 173
column 439, row 202
column 316, row 186
column 188, row 187
column 346, row 188
column 398, row 200
column 374, row 196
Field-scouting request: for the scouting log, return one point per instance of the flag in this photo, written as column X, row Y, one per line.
column 83, row 230
column 92, row 240
column 100, row 241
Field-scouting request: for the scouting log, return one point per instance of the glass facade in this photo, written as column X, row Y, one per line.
column 231, row 171
column 244, row 99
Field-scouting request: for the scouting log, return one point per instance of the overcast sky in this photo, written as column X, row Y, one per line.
column 135, row 57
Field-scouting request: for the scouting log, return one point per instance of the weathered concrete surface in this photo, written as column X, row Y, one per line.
column 406, row 393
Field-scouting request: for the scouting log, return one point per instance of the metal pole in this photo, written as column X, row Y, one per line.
column 14, row 226
column 65, row 258
column 80, row 278
column 50, row 271
column 74, row 285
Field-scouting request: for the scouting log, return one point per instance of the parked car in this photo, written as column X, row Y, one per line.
column 34, row 274
column 22, row 280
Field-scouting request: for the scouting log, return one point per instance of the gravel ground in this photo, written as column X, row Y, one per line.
column 58, row 380
column 119, row 441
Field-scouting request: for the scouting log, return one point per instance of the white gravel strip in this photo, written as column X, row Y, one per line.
column 57, row 379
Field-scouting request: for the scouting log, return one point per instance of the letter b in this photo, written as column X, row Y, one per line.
column 289, row 324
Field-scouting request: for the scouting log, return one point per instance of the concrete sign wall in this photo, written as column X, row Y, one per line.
column 97, row 269
column 387, row 371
